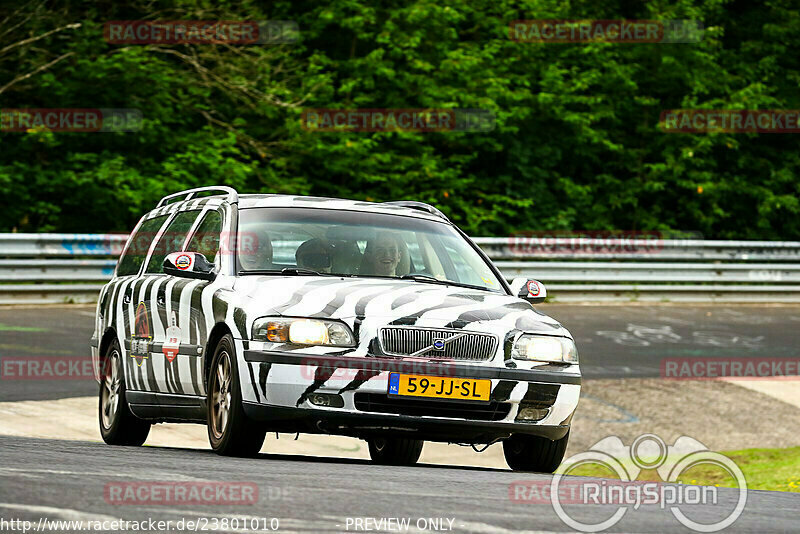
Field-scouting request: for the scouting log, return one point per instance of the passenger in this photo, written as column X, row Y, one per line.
column 314, row 254
column 382, row 255
column 255, row 253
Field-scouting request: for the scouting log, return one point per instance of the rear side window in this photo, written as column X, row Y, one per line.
column 171, row 240
column 139, row 244
column 206, row 238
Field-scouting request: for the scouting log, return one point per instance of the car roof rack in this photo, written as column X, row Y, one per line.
column 233, row 196
column 413, row 204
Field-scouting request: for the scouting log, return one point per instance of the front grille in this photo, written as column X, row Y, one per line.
column 478, row 411
column 469, row 346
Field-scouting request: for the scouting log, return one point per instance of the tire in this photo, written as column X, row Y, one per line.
column 534, row 453
column 395, row 451
column 118, row 425
column 230, row 431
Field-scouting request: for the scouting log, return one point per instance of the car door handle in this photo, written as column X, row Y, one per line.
column 161, row 301
column 127, row 297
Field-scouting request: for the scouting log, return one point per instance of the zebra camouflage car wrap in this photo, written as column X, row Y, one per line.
column 139, row 311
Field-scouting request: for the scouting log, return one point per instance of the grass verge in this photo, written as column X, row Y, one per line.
column 764, row 469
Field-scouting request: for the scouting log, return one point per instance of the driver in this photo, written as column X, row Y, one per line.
column 314, row 254
column 256, row 251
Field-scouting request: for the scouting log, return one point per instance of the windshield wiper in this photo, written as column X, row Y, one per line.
column 295, row 271
column 433, row 280
column 300, row 271
column 422, row 278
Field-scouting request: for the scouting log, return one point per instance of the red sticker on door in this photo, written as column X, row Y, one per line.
column 172, row 342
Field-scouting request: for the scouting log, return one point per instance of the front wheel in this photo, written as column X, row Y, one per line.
column 118, row 425
column 395, row 451
column 230, row 431
column 534, row 453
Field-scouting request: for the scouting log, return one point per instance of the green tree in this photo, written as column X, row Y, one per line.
column 576, row 143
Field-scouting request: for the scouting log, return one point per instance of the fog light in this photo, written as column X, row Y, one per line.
column 326, row 399
column 532, row 414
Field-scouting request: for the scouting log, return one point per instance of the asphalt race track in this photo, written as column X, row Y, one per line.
column 614, row 341
column 66, row 480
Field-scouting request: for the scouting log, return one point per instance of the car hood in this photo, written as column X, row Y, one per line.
column 396, row 302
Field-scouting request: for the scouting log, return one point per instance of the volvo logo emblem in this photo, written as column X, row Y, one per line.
column 439, row 343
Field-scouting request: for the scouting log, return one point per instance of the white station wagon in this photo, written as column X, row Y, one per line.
column 382, row 321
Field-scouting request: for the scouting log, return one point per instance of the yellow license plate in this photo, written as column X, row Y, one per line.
column 440, row 387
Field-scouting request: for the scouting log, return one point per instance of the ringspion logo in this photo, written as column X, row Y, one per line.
column 647, row 452
column 608, row 31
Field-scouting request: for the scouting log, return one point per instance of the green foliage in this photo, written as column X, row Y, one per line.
column 576, row 144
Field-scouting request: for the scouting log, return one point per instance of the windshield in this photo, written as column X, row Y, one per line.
column 352, row 243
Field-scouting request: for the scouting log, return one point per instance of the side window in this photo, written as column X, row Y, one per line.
column 171, row 240
column 133, row 258
column 206, row 238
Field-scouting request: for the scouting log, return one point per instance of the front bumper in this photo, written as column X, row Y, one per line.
column 278, row 387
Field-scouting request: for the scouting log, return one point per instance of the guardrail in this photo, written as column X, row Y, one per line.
column 41, row 245
column 58, row 268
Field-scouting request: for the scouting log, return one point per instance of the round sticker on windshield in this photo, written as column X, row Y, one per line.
column 183, row 262
column 533, row 288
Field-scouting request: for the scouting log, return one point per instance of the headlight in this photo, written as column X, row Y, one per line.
column 303, row 331
column 545, row 349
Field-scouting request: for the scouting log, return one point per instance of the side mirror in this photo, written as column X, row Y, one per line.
column 531, row 290
column 189, row 265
